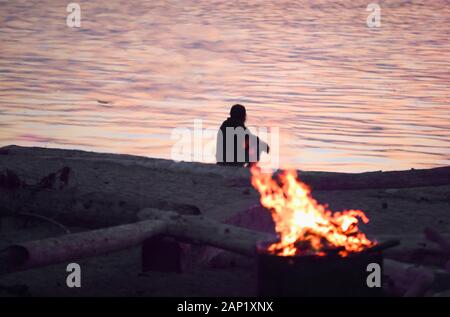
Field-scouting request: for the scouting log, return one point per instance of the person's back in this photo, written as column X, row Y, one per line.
column 236, row 146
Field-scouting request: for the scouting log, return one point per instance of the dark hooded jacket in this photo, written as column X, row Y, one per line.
column 243, row 144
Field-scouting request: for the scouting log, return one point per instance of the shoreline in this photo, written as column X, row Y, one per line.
column 110, row 188
column 319, row 180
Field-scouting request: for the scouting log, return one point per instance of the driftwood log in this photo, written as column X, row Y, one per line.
column 75, row 188
column 403, row 279
column 33, row 254
column 191, row 229
column 419, row 249
column 438, row 176
column 52, row 197
column 406, row 279
column 377, row 180
column 202, row 230
column 153, row 222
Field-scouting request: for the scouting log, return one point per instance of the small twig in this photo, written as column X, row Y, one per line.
column 40, row 217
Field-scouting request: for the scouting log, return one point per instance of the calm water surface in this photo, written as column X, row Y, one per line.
column 345, row 97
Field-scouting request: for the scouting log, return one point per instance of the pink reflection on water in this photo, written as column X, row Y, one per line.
column 346, row 98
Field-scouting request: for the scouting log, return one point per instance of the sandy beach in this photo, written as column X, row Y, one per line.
column 217, row 192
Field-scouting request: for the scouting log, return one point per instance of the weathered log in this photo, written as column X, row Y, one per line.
column 202, row 230
column 378, row 180
column 320, row 180
column 32, row 254
column 71, row 208
column 187, row 228
column 410, row 241
column 405, row 279
column 438, row 176
column 418, row 249
column 408, row 279
column 192, row 229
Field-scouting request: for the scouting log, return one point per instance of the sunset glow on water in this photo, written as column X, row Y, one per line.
column 345, row 97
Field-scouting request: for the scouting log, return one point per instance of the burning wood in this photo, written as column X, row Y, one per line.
column 304, row 226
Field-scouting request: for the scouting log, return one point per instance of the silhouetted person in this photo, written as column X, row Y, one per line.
column 236, row 145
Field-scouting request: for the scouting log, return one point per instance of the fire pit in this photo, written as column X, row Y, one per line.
column 312, row 275
column 319, row 252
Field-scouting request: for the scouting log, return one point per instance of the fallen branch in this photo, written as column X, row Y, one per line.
column 202, row 230
column 59, row 197
column 410, row 280
column 43, row 218
column 412, row 241
column 430, row 248
column 402, row 278
column 33, row 254
column 192, row 229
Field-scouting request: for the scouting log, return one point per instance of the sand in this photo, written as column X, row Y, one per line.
column 218, row 192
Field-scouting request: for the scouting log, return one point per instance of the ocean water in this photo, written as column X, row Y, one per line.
column 345, row 97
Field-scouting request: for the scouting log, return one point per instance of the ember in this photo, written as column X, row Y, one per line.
column 304, row 226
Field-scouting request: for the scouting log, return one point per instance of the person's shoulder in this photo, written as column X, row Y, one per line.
column 226, row 123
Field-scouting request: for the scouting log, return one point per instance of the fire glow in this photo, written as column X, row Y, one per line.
column 303, row 225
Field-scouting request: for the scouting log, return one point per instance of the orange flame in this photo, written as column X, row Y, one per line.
column 304, row 226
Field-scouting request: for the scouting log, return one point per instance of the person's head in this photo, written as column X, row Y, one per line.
column 238, row 113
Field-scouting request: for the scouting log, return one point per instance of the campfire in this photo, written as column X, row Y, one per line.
column 318, row 252
column 304, row 226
